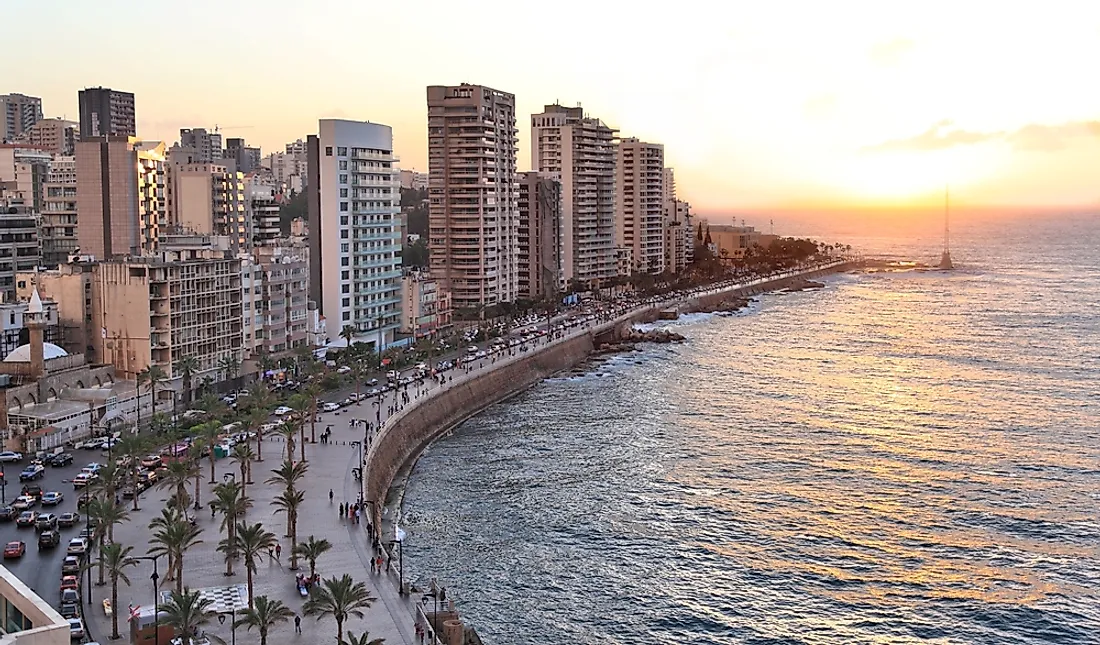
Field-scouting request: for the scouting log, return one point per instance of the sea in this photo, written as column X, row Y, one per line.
column 901, row 457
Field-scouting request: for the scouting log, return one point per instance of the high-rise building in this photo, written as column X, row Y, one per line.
column 57, row 232
column 246, row 157
column 473, row 216
column 425, row 307
column 56, row 136
column 639, row 198
column 18, row 112
column 579, row 150
column 284, row 291
column 19, row 247
column 207, row 199
column 23, row 171
column 107, row 197
column 106, row 112
column 152, row 179
column 262, row 200
column 354, row 234
column 207, row 145
column 540, row 255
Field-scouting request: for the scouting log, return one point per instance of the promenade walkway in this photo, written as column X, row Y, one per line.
column 330, row 468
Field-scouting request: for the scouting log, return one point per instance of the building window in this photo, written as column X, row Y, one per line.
column 347, row 315
column 345, row 288
column 344, row 193
column 342, row 151
column 343, row 220
column 343, row 207
column 343, row 235
column 343, row 179
column 344, row 275
column 344, row 247
column 343, row 165
column 344, row 262
column 328, row 151
column 346, row 302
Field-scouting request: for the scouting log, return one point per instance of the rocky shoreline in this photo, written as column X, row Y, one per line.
column 629, row 342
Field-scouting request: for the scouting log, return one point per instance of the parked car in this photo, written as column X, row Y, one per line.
column 24, row 502
column 70, row 596
column 152, row 461
column 7, row 513
column 8, row 456
column 91, row 444
column 343, row 369
column 282, row 409
column 77, row 546
column 76, row 629
column 70, row 566
column 60, row 459
column 45, row 522
column 330, row 407
column 49, row 539
column 52, row 498
column 93, row 468
column 67, row 520
column 69, row 582
column 32, row 472
column 14, row 549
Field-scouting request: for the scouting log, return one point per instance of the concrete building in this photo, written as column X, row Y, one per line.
column 207, row 145
column 246, row 157
column 262, row 199
column 284, row 296
column 732, row 242
column 678, row 226
column 107, row 197
column 473, row 212
column 26, row 618
column 18, row 113
column 13, row 328
column 19, row 247
column 579, row 150
column 105, row 112
column 639, row 201
column 289, row 170
column 297, row 147
column 55, row 136
column 540, row 253
column 354, row 229
column 425, row 305
column 207, row 199
column 413, row 180
column 153, row 220
column 23, row 172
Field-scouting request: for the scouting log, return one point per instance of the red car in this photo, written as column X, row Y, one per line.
column 15, row 549
column 69, row 582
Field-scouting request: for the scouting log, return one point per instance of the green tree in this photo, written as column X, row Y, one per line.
column 107, row 515
column 255, row 422
column 290, row 501
column 131, row 449
column 251, row 541
column 312, row 549
column 243, row 457
column 340, row 598
column 362, row 639
column 152, row 376
column 173, row 535
column 229, row 366
column 187, row 367
column 232, row 504
column 210, row 432
column 186, row 612
column 264, row 614
column 116, row 559
column 176, row 477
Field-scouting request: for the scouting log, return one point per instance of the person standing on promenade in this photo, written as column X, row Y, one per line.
column 297, row 624
column 279, row 552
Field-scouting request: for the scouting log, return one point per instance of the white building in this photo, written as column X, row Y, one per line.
column 639, row 204
column 26, row 618
column 354, row 228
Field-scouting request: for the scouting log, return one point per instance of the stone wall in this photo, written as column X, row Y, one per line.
column 410, row 431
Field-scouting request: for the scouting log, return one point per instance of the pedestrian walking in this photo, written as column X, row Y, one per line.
column 297, row 624
column 372, row 569
column 341, row 510
column 330, row 496
column 356, row 516
column 279, row 551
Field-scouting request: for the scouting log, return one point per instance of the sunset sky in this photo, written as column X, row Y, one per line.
column 761, row 105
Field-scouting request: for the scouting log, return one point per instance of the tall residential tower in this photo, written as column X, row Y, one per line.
column 106, row 112
column 640, row 204
column 473, row 216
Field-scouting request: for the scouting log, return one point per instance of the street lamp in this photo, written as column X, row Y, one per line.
column 156, row 595
column 233, row 627
column 360, row 444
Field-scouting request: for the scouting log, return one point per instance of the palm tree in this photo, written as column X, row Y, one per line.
column 209, row 433
column 347, row 333
column 173, row 536
column 312, row 549
column 230, row 367
column 243, row 456
column 288, row 474
column 362, row 639
column 264, row 614
column 132, row 448
column 116, row 558
column 229, row 500
column 185, row 612
column 340, row 598
column 313, row 391
column 194, row 455
column 187, row 367
column 179, row 474
column 106, row 514
column 152, row 376
column 302, row 404
column 251, row 542
column 288, row 430
column 289, row 501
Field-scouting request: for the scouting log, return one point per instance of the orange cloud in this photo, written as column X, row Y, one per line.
column 938, row 137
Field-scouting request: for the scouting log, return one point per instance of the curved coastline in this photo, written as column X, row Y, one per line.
column 408, row 432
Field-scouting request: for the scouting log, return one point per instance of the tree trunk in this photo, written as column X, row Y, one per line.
column 294, row 543
column 249, row 567
column 259, row 444
column 114, row 609
column 339, row 630
column 244, row 478
column 312, row 422
column 179, row 574
column 212, row 481
column 135, row 485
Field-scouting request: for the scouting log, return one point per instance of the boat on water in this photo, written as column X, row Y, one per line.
column 945, row 259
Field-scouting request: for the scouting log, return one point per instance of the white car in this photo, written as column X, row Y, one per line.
column 344, row 369
column 8, row 456
column 282, row 409
column 77, row 546
column 330, row 407
column 76, row 629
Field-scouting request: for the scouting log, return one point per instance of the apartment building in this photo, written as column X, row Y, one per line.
column 413, row 180
column 579, row 150
column 107, row 197
column 55, row 136
column 354, row 229
column 207, row 146
column 262, row 199
column 639, row 201
column 18, row 113
column 153, row 221
column 540, row 252
column 23, row 171
column 425, row 306
column 207, row 199
column 247, row 158
column 106, row 113
column 473, row 214
column 57, row 230
column 19, row 247
column 284, row 295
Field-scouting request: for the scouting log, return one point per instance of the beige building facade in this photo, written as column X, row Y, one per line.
column 27, row 619
column 107, row 197
column 639, row 204
column 473, row 215
column 425, row 305
column 579, row 150
column 208, row 199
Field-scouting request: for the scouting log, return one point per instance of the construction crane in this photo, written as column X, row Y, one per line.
column 218, row 128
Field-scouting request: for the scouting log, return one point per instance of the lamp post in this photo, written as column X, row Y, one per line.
column 360, row 444
column 233, row 626
column 156, row 596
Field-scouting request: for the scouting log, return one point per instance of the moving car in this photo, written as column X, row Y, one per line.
column 45, row 522
column 32, row 472
column 83, row 479
column 70, row 566
column 52, row 498
column 24, row 502
column 26, row 519
column 49, row 539
column 7, row 513
column 282, row 409
column 91, row 444
column 77, row 546
column 67, row 520
column 60, row 459
column 343, row 369
column 14, row 549
column 70, row 596
column 330, row 407
column 152, row 461
column 8, row 456
column 70, row 610
column 32, row 490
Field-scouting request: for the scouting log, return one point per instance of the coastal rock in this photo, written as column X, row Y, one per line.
column 802, row 284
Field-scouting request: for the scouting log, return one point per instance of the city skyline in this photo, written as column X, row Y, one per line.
column 881, row 107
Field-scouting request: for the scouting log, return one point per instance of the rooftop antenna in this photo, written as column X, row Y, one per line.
column 771, row 223
column 945, row 259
